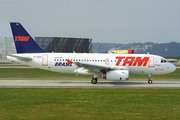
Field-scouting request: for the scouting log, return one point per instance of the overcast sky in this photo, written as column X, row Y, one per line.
column 107, row 21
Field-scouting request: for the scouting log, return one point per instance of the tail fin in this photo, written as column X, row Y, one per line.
column 23, row 41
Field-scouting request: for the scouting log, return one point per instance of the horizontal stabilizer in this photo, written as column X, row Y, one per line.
column 21, row 57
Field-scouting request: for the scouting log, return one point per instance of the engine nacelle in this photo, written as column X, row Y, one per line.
column 116, row 75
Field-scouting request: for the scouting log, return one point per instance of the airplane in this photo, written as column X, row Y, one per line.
column 115, row 67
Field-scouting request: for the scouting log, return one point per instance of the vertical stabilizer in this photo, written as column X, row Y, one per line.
column 23, row 41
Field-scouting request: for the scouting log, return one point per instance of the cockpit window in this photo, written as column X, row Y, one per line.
column 163, row 60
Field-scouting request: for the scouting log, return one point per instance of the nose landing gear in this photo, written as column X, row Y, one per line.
column 149, row 79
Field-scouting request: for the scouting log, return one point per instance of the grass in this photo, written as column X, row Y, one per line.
column 5, row 63
column 178, row 58
column 77, row 103
column 34, row 73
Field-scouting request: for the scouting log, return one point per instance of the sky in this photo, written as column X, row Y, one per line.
column 104, row 21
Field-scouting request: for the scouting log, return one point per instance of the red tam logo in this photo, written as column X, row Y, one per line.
column 22, row 38
column 132, row 61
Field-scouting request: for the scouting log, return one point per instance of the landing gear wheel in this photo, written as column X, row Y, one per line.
column 150, row 81
column 94, row 80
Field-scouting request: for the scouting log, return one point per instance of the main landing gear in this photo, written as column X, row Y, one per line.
column 94, row 80
column 149, row 79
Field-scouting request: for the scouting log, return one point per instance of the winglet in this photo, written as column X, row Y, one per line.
column 23, row 41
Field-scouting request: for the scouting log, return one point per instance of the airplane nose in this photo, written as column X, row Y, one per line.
column 172, row 67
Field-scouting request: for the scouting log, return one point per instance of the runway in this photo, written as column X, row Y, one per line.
column 67, row 83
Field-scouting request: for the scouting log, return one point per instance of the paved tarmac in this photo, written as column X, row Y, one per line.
column 85, row 83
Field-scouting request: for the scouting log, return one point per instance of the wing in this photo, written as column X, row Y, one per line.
column 96, row 68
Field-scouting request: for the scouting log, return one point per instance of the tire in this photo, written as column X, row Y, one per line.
column 150, row 81
column 94, row 81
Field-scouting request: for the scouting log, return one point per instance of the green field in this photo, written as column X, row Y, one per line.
column 177, row 58
column 77, row 103
column 43, row 74
column 35, row 73
column 5, row 63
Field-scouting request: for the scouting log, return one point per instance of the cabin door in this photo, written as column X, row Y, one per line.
column 44, row 60
column 151, row 61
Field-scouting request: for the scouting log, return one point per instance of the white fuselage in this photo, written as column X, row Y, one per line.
column 134, row 63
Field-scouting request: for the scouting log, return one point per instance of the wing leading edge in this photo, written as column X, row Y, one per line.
column 94, row 67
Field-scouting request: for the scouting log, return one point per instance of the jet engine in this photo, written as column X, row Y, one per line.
column 116, row 75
